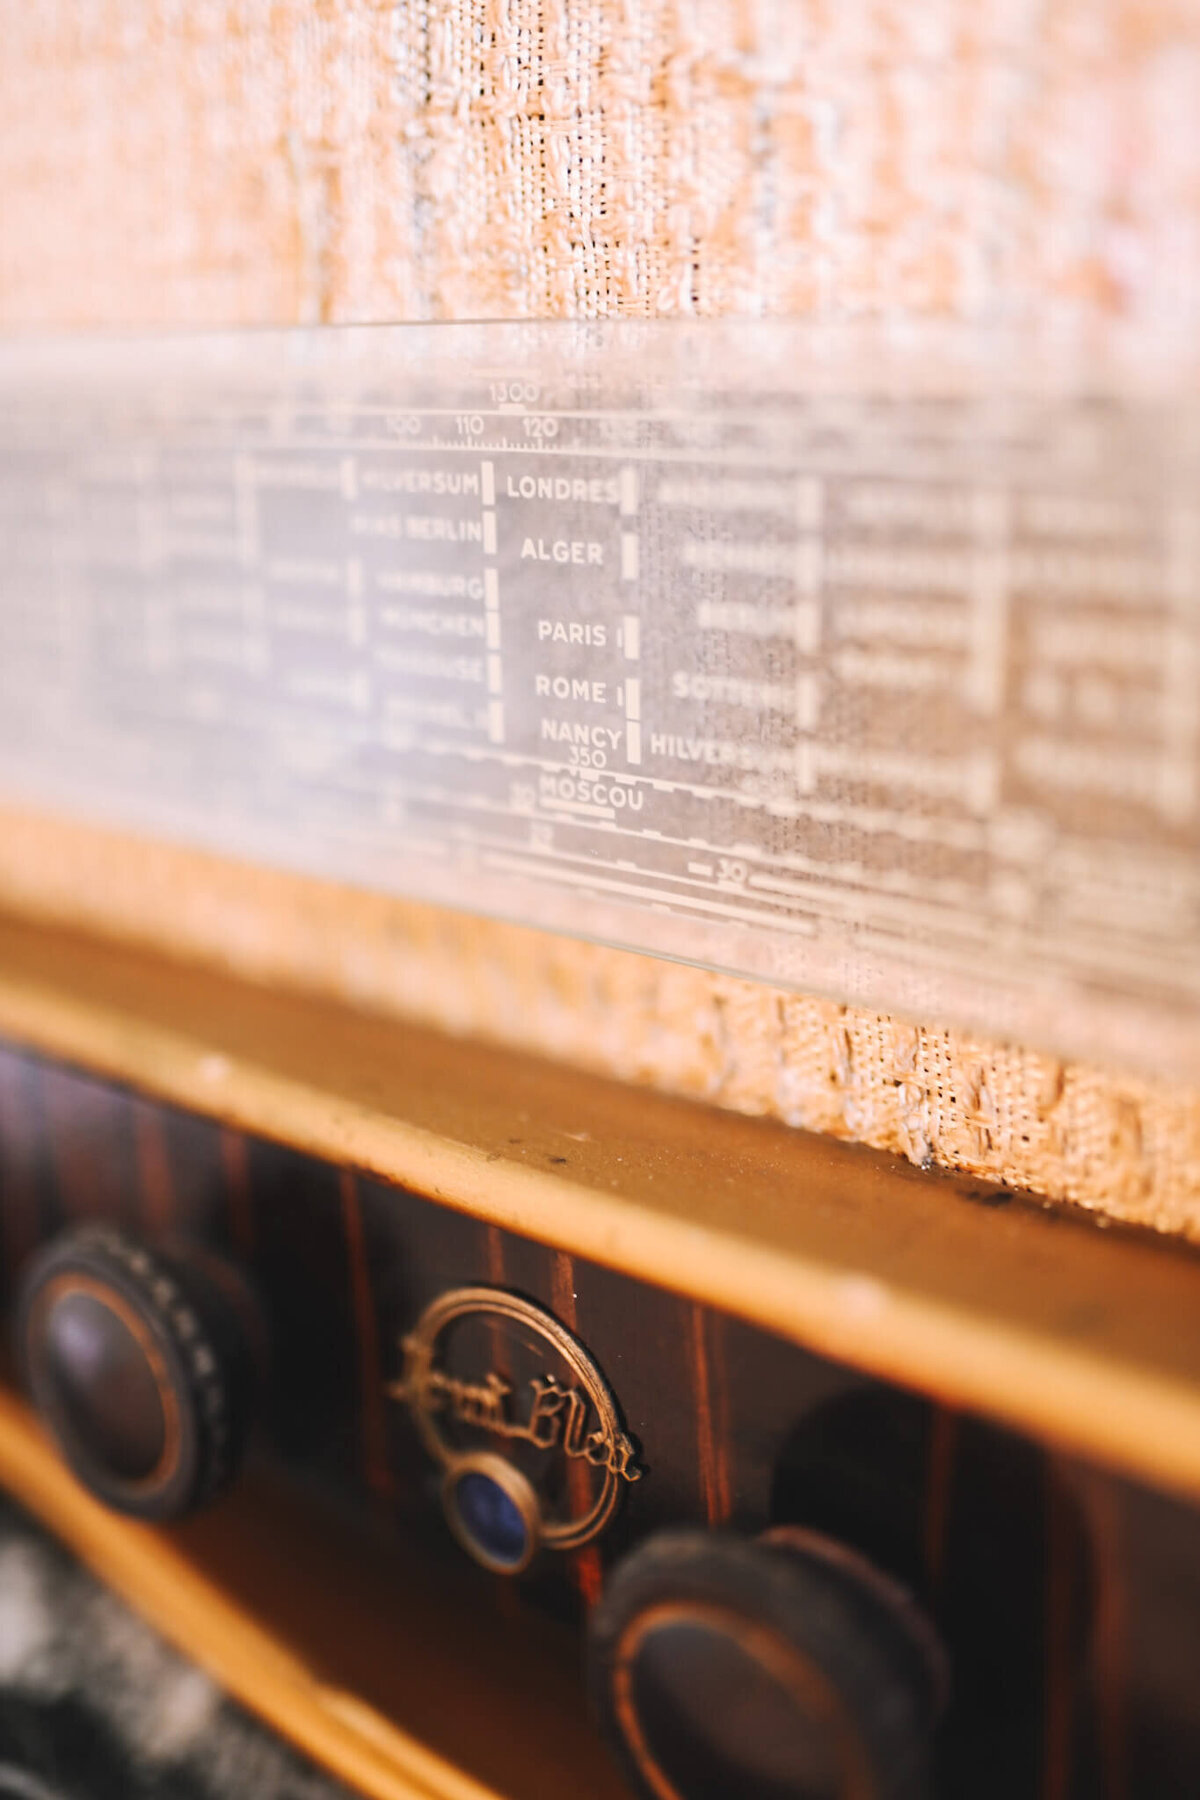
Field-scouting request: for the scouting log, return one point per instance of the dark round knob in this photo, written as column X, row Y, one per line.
column 787, row 1669
column 138, row 1361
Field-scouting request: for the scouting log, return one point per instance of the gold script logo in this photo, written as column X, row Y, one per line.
column 539, row 1416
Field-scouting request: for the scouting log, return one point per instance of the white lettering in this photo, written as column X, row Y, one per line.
column 595, row 491
column 419, row 481
column 433, row 624
column 730, row 690
column 571, row 687
column 586, row 790
column 562, row 550
column 722, row 753
column 556, row 631
column 570, row 731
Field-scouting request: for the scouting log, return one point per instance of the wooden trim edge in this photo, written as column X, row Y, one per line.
column 338, row 1731
column 1140, row 1419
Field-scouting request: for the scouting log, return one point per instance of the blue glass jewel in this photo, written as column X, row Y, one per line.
column 491, row 1518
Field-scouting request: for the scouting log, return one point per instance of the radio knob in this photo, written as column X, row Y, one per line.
column 138, row 1361
column 787, row 1669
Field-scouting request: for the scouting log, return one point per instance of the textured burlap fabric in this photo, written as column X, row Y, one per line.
column 171, row 163
column 1102, row 1139
column 263, row 161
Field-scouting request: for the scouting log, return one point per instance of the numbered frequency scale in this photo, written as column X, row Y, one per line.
column 865, row 664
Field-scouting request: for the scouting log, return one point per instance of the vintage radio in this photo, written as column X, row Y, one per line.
column 788, row 1466
column 839, row 1476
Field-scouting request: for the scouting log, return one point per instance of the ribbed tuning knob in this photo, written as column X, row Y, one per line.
column 138, row 1361
column 787, row 1669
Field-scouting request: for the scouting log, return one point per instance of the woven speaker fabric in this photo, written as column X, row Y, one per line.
column 265, row 161
column 200, row 162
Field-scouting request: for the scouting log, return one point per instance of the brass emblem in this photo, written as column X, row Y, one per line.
column 521, row 1420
